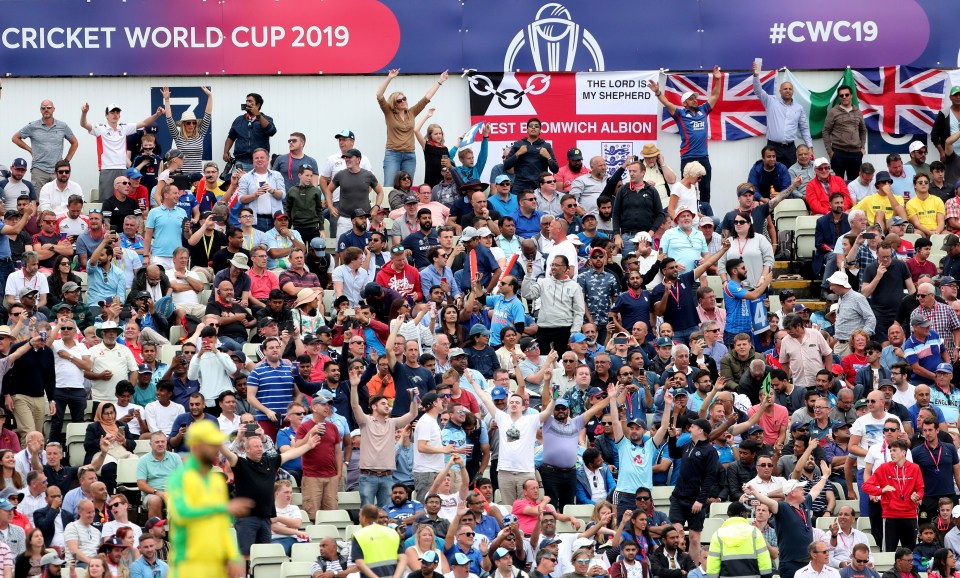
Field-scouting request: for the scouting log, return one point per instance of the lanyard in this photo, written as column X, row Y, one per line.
column 207, row 246
column 900, row 475
column 936, row 461
column 675, row 292
column 801, row 513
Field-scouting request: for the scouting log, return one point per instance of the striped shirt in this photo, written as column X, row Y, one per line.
column 854, row 313
column 274, row 386
column 192, row 148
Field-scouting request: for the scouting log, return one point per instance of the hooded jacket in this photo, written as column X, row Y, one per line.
column 561, row 301
column 781, row 177
column 304, row 206
column 738, row 549
column 732, row 368
column 906, row 480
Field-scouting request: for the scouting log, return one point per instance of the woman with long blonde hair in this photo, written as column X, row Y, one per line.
column 425, row 541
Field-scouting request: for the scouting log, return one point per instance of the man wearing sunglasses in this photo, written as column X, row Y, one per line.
column 116, row 208
column 46, row 136
column 55, row 194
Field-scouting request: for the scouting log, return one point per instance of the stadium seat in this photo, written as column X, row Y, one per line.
column 204, row 296
column 716, row 283
column 349, row 500
column 786, row 213
column 937, row 241
column 75, row 434
column 167, row 353
column 296, row 569
column 250, row 350
column 318, row 531
column 719, row 510
column 127, row 472
column 298, row 501
column 863, row 524
column 824, row 522
column 143, row 447
column 338, row 518
column 582, row 511
column 349, row 530
column 328, row 300
column 912, row 237
column 710, row 526
column 266, row 560
column 566, row 527
column 855, row 504
column 883, row 561
column 661, row 495
column 304, row 551
column 176, row 334
column 804, row 233
column 304, row 516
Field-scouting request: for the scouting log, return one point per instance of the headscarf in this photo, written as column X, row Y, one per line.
column 110, row 427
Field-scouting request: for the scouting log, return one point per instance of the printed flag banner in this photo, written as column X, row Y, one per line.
column 739, row 114
column 473, row 134
column 900, row 99
column 610, row 114
column 817, row 104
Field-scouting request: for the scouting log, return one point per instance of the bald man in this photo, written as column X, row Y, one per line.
column 786, row 120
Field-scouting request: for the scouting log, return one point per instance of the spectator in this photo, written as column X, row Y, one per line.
column 248, row 133
column 153, row 470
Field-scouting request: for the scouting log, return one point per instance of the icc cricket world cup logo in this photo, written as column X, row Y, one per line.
column 553, row 37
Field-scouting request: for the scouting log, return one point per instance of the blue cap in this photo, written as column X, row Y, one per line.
column 945, row 368
column 509, row 519
column 18, row 163
column 754, row 429
column 664, row 342
column 499, row 553
column 594, row 391
column 799, row 424
column 460, row 559
column 498, row 392
column 5, row 504
column 561, row 401
column 345, row 133
column 479, row 329
column 429, row 557
column 502, row 179
column 578, row 338
column 133, row 173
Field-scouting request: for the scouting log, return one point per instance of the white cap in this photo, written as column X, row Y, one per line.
column 589, row 543
column 791, row 485
column 834, row 308
column 956, row 512
column 574, row 239
column 917, row 145
column 484, row 232
column 687, row 95
column 642, row 236
column 821, row 161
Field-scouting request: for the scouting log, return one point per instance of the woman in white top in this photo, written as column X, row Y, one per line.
column 189, row 135
column 509, row 347
column 426, row 540
column 686, row 191
column 411, row 329
column 755, row 250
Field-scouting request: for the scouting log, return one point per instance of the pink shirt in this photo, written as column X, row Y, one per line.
column 565, row 177
column 771, row 422
column 261, row 285
column 526, row 521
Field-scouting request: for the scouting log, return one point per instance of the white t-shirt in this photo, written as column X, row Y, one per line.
column 905, row 398
column 73, row 227
column 133, row 424
column 113, row 144
column 448, row 506
column 517, row 455
column 227, row 426
column 334, row 164
column 870, row 430
column 860, row 191
column 568, row 250
column 119, row 361
column 161, row 418
column 880, row 453
column 68, row 375
column 290, row 511
column 187, row 297
column 686, row 198
column 16, row 282
column 428, row 430
column 111, row 527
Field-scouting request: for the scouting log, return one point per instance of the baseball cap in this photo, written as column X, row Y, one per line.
column 860, row 403
column 594, row 391
column 550, row 541
column 62, row 306
column 479, row 329
column 468, row 234
column 70, row 287
column 499, row 553
column 280, row 215
column 266, row 320
column 945, row 368
column 917, row 145
column 309, row 338
column 113, row 542
column 821, row 161
column 642, row 236
column 685, row 209
column 680, row 392
column 886, row 382
column 498, row 392
column 502, row 179
column 527, row 343
column 561, row 401
column 460, row 559
column 663, row 342
column 638, row 421
column 754, row 429
column 456, row 352
column 951, row 240
column 429, row 557
column 703, row 425
column 51, row 558
column 351, row 153
column 144, row 368
column 947, row 280
column 27, row 292
column 112, row 107
column 574, row 154
column 918, row 320
column 239, row 356
column 578, row 338
column 791, row 485
column 575, row 239
column 410, row 200
column 133, row 173
column 898, row 221
column 345, row 133
column 798, row 424
column 954, row 90
column 154, row 522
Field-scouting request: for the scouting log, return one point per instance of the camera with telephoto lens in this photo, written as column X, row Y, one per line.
column 183, row 180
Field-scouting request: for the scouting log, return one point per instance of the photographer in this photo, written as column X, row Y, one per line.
column 249, row 131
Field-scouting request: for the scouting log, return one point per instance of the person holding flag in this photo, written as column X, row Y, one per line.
column 786, row 119
column 472, row 169
column 744, row 308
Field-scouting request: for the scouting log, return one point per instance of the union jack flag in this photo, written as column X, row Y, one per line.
column 738, row 114
column 899, row 99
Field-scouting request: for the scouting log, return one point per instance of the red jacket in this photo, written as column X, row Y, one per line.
column 406, row 282
column 818, row 200
column 905, row 480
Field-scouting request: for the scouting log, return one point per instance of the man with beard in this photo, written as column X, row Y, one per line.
column 632, row 306
column 418, row 242
column 675, row 298
column 200, row 510
column 738, row 301
column 830, row 227
column 358, row 236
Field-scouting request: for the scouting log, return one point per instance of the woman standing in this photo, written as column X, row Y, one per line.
column 755, row 250
column 400, row 153
column 188, row 136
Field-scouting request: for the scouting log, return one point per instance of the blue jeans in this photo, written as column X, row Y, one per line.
column 247, row 167
column 396, row 161
column 375, row 490
column 864, row 497
column 263, row 223
column 230, row 343
column 683, row 335
column 287, row 542
column 6, row 269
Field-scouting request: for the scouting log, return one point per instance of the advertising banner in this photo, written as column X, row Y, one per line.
column 607, row 114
